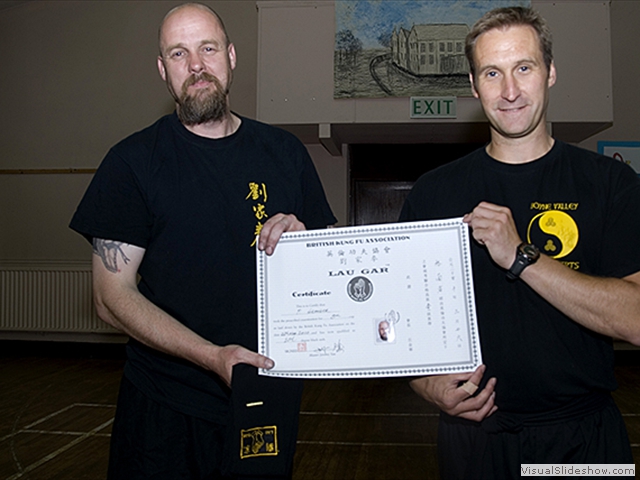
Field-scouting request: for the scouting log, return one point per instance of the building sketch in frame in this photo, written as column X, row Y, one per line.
column 403, row 48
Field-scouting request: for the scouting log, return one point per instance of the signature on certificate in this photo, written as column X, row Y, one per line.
column 336, row 348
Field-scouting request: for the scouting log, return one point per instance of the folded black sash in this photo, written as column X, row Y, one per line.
column 263, row 428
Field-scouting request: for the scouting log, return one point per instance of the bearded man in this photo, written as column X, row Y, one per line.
column 173, row 213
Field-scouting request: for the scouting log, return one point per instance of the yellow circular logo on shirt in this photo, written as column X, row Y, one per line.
column 554, row 232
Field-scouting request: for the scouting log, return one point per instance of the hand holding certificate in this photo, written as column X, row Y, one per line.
column 371, row 301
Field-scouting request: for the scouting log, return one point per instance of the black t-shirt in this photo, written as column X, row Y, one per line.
column 579, row 207
column 195, row 205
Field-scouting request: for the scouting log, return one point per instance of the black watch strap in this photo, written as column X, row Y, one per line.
column 526, row 254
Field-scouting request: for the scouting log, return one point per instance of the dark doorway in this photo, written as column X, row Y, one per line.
column 382, row 176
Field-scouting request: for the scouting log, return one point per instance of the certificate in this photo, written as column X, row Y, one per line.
column 371, row 301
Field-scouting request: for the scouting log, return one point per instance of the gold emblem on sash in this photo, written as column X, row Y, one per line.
column 259, row 442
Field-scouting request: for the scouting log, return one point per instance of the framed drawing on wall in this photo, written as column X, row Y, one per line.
column 404, row 48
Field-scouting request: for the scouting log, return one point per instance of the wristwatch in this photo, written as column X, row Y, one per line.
column 526, row 254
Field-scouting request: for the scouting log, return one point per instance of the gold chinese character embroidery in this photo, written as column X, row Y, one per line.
column 258, row 194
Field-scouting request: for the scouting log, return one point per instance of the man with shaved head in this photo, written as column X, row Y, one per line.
column 174, row 213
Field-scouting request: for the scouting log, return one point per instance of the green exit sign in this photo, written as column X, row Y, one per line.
column 433, row 107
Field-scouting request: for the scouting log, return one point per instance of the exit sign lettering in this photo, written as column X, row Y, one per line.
column 433, row 107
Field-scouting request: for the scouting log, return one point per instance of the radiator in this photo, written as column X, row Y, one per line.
column 48, row 298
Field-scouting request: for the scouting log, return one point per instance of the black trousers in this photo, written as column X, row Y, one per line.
column 468, row 451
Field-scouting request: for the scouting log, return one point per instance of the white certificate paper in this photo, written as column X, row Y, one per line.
column 371, row 301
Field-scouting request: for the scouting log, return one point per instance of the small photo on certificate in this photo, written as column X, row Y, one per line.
column 371, row 301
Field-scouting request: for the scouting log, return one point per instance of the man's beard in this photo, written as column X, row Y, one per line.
column 205, row 105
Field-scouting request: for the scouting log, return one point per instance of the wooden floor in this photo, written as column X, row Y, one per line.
column 57, row 403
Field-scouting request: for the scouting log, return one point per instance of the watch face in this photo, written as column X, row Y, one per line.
column 530, row 251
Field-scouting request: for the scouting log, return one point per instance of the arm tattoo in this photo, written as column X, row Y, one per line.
column 108, row 251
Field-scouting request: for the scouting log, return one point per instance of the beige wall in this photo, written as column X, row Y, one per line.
column 77, row 76
column 291, row 95
column 625, row 57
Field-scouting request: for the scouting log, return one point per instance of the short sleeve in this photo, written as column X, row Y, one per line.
column 114, row 206
column 621, row 256
column 407, row 214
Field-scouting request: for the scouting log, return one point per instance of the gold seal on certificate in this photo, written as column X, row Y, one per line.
column 371, row 301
